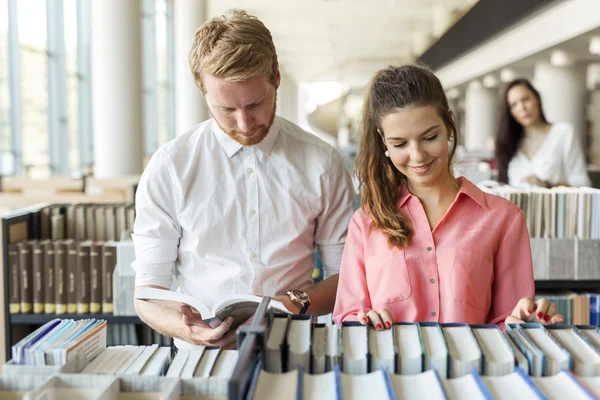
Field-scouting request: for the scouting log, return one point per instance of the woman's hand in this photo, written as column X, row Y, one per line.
column 381, row 319
column 541, row 311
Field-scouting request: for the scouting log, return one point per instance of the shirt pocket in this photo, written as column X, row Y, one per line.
column 388, row 279
column 470, row 278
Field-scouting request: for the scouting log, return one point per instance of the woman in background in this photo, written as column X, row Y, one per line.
column 532, row 152
column 425, row 246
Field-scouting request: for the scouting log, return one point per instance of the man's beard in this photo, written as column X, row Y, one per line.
column 261, row 131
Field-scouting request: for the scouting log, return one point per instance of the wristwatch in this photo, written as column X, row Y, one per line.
column 300, row 298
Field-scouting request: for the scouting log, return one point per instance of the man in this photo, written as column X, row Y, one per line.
column 238, row 203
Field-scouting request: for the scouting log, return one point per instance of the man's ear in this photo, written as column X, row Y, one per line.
column 277, row 79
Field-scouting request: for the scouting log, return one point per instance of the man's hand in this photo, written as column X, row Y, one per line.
column 534, row 180
column 201, row 333
column 541, row 311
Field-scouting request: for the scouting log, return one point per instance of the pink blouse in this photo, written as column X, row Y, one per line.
column 473, row 267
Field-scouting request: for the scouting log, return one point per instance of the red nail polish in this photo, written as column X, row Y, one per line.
column 546, row 318
column 364, row 320
column 529, row 312
column 387, row 324
column 540, row 315
column 379, row 327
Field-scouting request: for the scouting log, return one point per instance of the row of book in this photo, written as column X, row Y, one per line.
column 578, row 308
column 110, row 387
column 560, row 212
column 565, row 259
column 298, row 384
column 411, row 348
column 84, row 221
column 66, row 276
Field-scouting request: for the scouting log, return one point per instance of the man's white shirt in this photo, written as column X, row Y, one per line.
column 226, row 219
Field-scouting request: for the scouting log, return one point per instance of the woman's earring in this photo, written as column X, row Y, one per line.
column 387, row 153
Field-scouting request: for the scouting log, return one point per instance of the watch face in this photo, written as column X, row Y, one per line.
column 300, row 295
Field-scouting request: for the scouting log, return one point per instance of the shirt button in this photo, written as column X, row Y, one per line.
column 433, row 314
column 253, row 255
column 250, row 170
column 432, row 281
column 252, row 212
column 429, row 248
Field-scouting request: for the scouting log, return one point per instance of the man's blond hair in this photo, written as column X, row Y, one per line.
column 235, row 47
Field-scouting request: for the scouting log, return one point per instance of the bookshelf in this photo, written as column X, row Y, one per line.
column 566, row 285
column 40, row 319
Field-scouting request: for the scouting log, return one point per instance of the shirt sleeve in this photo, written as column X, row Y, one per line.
column 338, row 204
column 156, row 231
column 575, row 166
column 352, row 292
column 513, row 271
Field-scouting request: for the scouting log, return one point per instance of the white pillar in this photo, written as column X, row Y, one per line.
column 190, row 107
column 563, row 93
column 117, row 88
column 593, row 84
column 287, row 98
column 481, row 116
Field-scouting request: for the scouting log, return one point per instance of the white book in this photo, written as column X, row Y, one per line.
column 562, row 386
column 135, row 353
column 225, row 364
column 556, row 357
column 515, row 386
column 465, row 387
column 498, row 358
column 354, row 349
column 158, row 363
column 94, row 366
column 434, row 347
column 241, row 306
column 410, row 353
column 207, row 362
column 381, row 349
column 319, row 386
column 593, row 336
column 112, row 354
column 274, row 345
column 586, row 360
column 178, row 363
column 298, row 341
column 332, row 353
column 271, row 386
column 425, row 385
column 125, row 354
column 140, row 362
column 520, row 359
column 359, row 387
column 534, row 355
column 189, row 368
column 463, row 350
column 318, row 349
column 591, row 383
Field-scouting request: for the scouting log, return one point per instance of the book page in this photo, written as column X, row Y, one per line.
column 276, row 386
column 560, row 386
column 319, row 386
column 509, row 387
column 425, row 385
column 464, row 387
column 368, row 386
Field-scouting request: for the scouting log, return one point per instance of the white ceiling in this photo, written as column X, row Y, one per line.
column 347, row 40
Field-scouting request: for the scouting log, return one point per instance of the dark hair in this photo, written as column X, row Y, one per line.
column 391, row 89
column 510, row 132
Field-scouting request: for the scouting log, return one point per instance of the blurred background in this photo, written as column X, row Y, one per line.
column 93, row 88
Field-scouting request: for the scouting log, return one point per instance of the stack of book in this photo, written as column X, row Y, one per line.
column 578, row 308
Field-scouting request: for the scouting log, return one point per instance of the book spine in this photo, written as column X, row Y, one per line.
column 26, row 280
column 95, row 279
column 49, row 280
column 71, row 277
column 83, row 280
column 38, row 270
column 109, row 260
column 60, row 282
column 13, row 279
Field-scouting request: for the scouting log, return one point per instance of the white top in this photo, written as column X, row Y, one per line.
column 230, row 219
column 559, row 159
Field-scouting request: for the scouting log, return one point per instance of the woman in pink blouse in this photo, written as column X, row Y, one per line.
column 425, row 246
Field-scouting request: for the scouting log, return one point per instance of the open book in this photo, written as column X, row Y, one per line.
column 239, row 306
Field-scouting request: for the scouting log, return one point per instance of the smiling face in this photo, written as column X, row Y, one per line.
column 417, row 141
column 244, row 110
column 523, row 105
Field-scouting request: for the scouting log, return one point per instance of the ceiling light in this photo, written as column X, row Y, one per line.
column 453, row 94
column 507, row 75
column 560, row 58
column 490, row 81
column 595, row 45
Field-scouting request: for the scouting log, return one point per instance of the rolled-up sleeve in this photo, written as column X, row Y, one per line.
column 352, row 292
column 337, row 209
column 513, row 271
column 156, row 231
